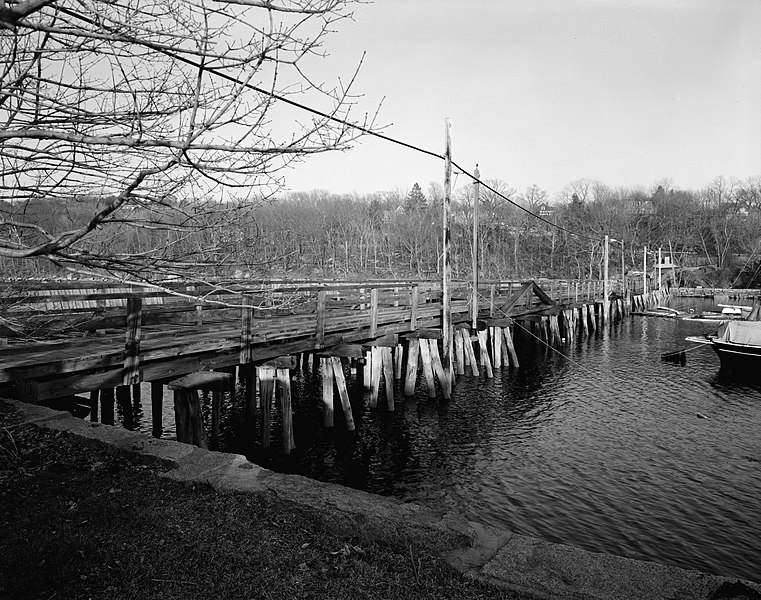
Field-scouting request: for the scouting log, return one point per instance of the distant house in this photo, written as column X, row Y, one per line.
column 546, row 211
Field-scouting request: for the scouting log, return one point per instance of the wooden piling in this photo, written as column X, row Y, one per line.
column 584, row 320
column 94, row 396
column 425, row 354
column 459, row 352
column 327, row 392
column 376, row 362
column 483, row 353
column 188, row 418
column 398, row 361
column 388, row 377
column 469, row 352
column 157, row 408
column 367, row 371
column 438, row 367
column 338, row 375
column 413, row 352
column 510, row 346
column 266, row 398
column 496, row 345
column 248, row 379
column 284, row 391
column 216, row 407
column 107, row 406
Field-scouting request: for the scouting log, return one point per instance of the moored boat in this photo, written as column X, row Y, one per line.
column 738, row 345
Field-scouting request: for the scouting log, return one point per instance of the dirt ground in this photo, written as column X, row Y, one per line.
column 82, row 522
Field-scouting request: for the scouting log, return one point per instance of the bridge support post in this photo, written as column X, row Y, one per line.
column 157, row 408
column 332, row 371
column 413, row 353
column 124, row 400
column 266, row 377
column 327, row 392
column 107, row 406
column 483, row 352
column 284, row 391
column 469, row 355
column 94, row 396
column 510, row 346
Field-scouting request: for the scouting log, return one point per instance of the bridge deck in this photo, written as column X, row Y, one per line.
column 172, row 334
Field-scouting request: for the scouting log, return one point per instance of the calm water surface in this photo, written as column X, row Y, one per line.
column 601, row 448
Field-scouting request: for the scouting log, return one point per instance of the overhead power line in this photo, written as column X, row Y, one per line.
column 324, row 115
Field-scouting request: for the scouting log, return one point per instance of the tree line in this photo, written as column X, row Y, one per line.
column 712, row 234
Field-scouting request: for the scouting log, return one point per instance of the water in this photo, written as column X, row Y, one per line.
column 602, row 448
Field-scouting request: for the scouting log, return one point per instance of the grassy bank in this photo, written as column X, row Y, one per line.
column 81, row 522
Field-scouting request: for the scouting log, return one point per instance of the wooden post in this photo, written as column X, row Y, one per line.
column 367, row 371
column 425, row 353
column 496, row 340
column 438, row 367
column 492, row 292
column 338, row 374
column 446, row 316
column 188, row 417
column 388, row 377
column 94, row 395
column 459, row 352
column 246, row 329
column 474, row 295
column 284, row 391
column 468, row 347
column 327, row 392
column 484, row 353
column 157, row 408
column 373, row 312
column 266, row 397
column 398, row 361
column 413, row 352
column 320, row 332
column 249, row 391
column 131, row 372
column 377, row 366
column 413, row 307
column 510, row 347
column 107, row 406
column 216, row 406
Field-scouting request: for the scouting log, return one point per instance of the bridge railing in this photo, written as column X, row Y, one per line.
column 70, row 308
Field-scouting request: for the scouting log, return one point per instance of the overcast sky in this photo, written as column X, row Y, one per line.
column 545, row 92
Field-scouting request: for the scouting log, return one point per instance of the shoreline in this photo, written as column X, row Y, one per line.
column 493, row 556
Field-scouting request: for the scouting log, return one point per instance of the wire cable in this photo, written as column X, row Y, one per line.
column 324, row 115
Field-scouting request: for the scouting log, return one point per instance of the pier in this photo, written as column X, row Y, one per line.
column 105, row 340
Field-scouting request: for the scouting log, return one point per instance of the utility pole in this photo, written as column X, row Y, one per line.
column 605, row 283
column 474, row 297
column 644, row 271
column 446, row 317
column 623, row 269
column 660, row 267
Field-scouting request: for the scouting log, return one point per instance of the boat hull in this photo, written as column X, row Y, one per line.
column 738, row 357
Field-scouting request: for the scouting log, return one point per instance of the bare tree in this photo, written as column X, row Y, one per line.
column 162, row 117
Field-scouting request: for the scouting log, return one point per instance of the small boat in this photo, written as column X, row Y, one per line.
column 738, row 344
column 660, row 311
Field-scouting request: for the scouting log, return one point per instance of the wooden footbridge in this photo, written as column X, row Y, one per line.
column 105, row 340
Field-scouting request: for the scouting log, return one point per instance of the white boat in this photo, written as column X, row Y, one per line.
column 738, row 345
